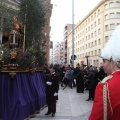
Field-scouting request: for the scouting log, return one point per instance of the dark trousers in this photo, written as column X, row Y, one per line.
column 51, row 102
column 91, row 94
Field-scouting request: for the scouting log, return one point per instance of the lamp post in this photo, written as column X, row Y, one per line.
column 73, row 33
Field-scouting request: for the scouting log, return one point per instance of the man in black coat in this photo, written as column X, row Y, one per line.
column 52, row 86
column 78, row 74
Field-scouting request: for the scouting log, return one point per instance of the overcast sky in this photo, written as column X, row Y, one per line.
column 62, row 15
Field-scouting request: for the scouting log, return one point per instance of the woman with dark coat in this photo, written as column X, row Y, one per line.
column 91, row 83
column 79, row 80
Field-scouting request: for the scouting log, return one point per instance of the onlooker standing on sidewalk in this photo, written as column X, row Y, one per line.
column 79, row 79
column 70, row 77
column 91, row 83
column 52, row 86
column 106, row 105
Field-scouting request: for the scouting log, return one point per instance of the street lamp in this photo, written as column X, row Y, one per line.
column 73, row 33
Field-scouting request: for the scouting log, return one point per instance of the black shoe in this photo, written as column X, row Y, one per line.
column 53, row 114
column 48, row 113
column 88, row 99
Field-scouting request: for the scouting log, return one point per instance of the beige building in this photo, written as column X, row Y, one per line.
column 92, row 33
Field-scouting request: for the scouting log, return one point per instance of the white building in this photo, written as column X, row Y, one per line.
column 92, row 33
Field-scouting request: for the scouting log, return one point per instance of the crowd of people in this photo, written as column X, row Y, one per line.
column 103, row 83
column 83, row 78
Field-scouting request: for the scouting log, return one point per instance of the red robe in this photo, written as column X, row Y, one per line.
column 114, row 93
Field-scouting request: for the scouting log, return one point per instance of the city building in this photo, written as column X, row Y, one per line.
column 56, row 54
column 67, row 28
column 47, row 28
column 60, row 54
column 51, row 53
column 93, row 31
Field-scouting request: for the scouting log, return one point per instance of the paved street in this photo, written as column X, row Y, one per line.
column 70, row 106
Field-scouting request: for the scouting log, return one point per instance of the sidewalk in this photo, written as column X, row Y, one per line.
column 70, row 106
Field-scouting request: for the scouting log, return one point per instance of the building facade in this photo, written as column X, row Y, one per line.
column 60, row 49
column 47, row 29
column 92, row 33
column 67, row 28
column 56, row 54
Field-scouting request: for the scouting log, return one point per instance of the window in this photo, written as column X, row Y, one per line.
column 106, row 38
column 99, row 41
column 94, row 24
column 91, row 35
column 95, row 14
column 98, row 21
column 89, row 53
column 91, row 17
column 117, row 4
column 89, row 45
column 88, row 19
column 117, row 15
column 106, row 17
column 106, row 6
column 111, row 5
column 95, row 33
column 91, row 26
column 99, row 31
column 112, row 26
column 98, row 11
column 106, row 27
column 95, row 52
column 99, row 51
column 83, row 32
column 92, row 44
column 88, row 37
column 92, row 53
column 112, row 15
column 95, row 42
column 118, row 24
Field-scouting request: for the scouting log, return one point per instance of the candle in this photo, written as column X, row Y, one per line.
column 13, row 38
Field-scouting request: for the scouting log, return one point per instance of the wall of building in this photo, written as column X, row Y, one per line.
column 92, row 33
column 47, row 28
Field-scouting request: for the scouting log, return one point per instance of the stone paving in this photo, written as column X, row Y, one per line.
column 70, row 106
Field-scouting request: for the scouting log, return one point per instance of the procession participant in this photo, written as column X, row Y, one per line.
column 106, row 104
column 52, row 86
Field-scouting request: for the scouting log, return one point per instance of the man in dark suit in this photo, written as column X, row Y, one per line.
column 52, row 86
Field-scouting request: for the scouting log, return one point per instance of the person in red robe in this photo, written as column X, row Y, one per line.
column 106, row 105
